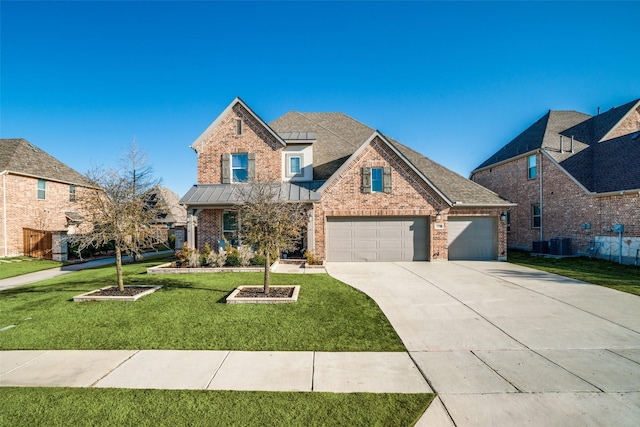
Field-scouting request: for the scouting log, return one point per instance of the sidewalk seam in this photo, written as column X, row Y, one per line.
column 111, row 371
column 217, row 370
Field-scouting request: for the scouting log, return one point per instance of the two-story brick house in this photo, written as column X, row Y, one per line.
column 38, row 193
column 573, row 176
column 369, row 197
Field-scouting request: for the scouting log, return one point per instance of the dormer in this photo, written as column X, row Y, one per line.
column 297, row 156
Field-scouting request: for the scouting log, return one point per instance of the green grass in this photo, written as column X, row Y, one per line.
column 126, row 407
column 625, row 278
column 190, row 313
column 24, row 265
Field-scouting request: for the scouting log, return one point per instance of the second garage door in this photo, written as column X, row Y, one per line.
column 472, row 238
column 377, row 239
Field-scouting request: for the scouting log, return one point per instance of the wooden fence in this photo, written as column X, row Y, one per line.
column 37, row 243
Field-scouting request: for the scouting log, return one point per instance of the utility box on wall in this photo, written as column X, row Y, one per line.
column 618, row 228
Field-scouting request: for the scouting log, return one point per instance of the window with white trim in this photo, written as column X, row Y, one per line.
column 72, row 193
column 240, row 167
column 42, row 189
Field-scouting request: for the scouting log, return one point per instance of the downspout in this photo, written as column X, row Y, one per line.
column 4, row 211
column 541, row 215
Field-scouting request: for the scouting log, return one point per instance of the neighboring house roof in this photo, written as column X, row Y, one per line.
column 176, row 214
column 21, row 157
column 582, row 145
column 340, row 136
column 226, row 194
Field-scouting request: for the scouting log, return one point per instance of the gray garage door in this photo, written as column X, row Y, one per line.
column 472, row 238
column 377, row 239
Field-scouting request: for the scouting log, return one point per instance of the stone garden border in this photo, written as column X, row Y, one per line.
column 88, row 297
column 233, row 299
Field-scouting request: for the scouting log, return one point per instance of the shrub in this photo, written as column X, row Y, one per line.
column 217, row 259
column 258, row 260
column 233, row 258
column 244, row 255
column 204, row 256
column 312, row 259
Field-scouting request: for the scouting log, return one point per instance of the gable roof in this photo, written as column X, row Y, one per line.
column 582, row 145
column 224, row 114
column 339, row 137
column 19, row 156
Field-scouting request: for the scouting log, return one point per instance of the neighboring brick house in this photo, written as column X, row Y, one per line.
column 573, row 176
column 37, row 192
column 370, row 198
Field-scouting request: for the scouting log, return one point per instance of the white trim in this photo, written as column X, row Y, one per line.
column 505, row 161
column 224, row 114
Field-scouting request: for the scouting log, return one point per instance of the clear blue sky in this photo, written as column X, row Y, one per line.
column 453, row 80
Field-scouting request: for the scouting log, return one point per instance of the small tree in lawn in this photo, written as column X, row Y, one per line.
column 121, row 208
column 267, row 223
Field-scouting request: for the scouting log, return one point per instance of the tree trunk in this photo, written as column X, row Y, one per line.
column 119, row 268
column 266, row 273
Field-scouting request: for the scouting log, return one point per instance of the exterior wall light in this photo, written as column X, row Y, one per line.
column 438, row 216
column 503, row 216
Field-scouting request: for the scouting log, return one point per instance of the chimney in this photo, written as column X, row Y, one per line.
column 598, row 110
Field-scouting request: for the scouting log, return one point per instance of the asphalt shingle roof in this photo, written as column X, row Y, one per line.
column 600, row 166
column 339, row 136
column 22, row 157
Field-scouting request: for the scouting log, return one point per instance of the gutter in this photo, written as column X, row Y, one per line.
column 4, row 210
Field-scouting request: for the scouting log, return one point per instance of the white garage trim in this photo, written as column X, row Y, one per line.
column 473, row 238
column 377, row 238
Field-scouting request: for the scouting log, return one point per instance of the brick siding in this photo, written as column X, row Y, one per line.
column 24, row 210
column 565, row 205
column 254, row 139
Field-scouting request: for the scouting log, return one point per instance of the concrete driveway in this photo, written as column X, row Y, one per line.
column 505, row 345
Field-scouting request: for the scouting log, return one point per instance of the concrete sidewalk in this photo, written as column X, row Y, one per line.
column 214, row 370
column 38, row 276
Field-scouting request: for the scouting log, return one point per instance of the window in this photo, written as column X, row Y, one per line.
column 238, row 127
column 72, row 193
column 294, row 165
column 536, row 216
column 42, row 189
column 230, row 227
column 239, row 167
column 533, row 170
column 376, row 180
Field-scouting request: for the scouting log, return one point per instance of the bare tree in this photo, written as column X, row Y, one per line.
column 268, row 223
column 121, row 208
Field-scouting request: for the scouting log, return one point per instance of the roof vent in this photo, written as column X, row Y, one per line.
column 635, row 135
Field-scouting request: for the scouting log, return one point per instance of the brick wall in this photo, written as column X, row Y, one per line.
column 24, row 210
column 566, row 206
column 254, row 139
column 410, row 196
column 209, row 228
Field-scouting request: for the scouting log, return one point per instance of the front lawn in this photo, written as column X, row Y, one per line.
column 189, row 313
column 625, row 278
column 17, row 266
column 25, row 406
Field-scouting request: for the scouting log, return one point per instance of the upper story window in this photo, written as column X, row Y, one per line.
column 239, row 167
column 72, row 193
column 293, row 165
column 238, row 127
column 532, row 166
column 536, row 216
column 42, row 189
column 376, row 180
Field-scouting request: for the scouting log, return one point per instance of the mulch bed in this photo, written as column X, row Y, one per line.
column 273, row 293
column 113, row 291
